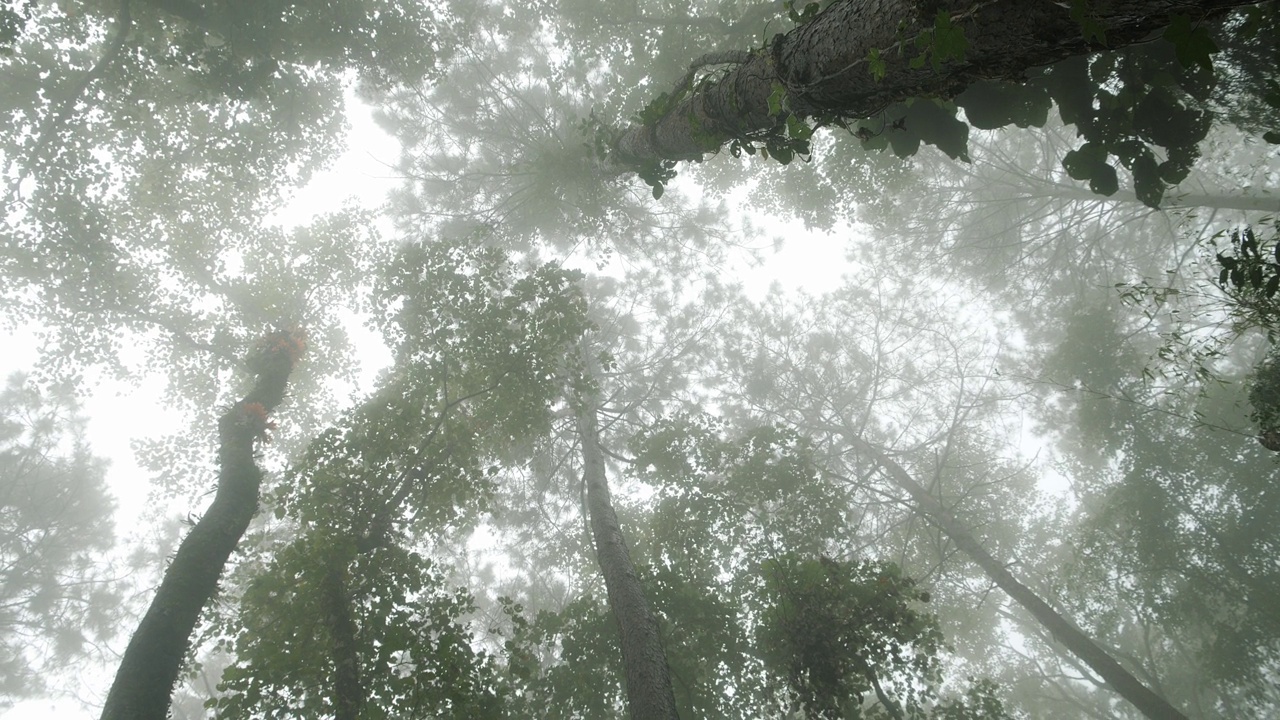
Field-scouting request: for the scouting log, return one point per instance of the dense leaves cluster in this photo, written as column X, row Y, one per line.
column 840, row 631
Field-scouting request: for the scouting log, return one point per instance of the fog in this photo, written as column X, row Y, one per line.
column 570, row 360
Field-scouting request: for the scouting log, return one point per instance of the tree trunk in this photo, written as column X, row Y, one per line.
column 823, row 64
column 348, row 693
column 153, row 659
column 1124, row 683
column 649, row 693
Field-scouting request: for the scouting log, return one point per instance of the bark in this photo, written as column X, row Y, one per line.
column 153, row 659
column 823, row 64
column 649, row 692
column 1122, row 681
column 348, row 693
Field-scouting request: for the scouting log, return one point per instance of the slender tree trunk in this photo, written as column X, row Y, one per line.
column 649, row 693
column 823, row 65
column 153, row 659
column 348, row 693
column 1124, row 683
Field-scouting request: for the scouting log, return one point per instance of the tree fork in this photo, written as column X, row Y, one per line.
column 151, row 663
column 823, row 65
column 1099, row 660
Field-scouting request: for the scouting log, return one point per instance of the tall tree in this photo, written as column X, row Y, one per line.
column 649, row 694
column 349, row 595
column 862, row 392
column 153, row 659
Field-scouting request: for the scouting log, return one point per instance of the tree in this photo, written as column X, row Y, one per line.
column 851, row 61
column 55, row 522
column 649, row 693
column 346, row 597
column 783, row 374
column 151, row 663
column 364, row 590
column 1173, row 449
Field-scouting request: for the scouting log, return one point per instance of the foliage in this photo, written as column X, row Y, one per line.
column 839, row 631
column 147, row 152
column 1249, row 279
column 414, row 643
column 942, row 43
column 563, row 664
column 480, row 355
column 835, row 629
column 1173, row 494
column 904, row 126
column 146, row 145
column 55, row 523
column 1264, row 398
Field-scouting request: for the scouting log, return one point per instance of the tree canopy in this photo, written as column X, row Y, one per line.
column 1018, row 463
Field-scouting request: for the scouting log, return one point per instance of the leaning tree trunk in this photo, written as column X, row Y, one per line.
column 822, row 66
column 1124, row 683
column 153, row 659
column 649, row 693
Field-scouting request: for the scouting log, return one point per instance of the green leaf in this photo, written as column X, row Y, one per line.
column 1272, row 137
column 1104, row 180
column 657, row 191
column 1160, row 118
column 949, row 42
column 1084, row 16
column 990, row 104
column 1082, row 162
column 1070, row 87
column 939, row 127
column 1147, row 184
column 1192, row 44
column 875, row 64
column 777, row 99
column 798, row 129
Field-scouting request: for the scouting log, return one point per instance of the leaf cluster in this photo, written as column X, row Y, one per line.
column 413, row 642
column 839, row 631
column 1251, row 275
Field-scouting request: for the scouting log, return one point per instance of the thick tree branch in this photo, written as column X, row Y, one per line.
column 823, row 65
column 348, row 691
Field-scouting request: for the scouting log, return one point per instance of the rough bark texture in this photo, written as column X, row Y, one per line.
column 1121, row 680
column 150, row 666
column 649, row 693
column 823, row 64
